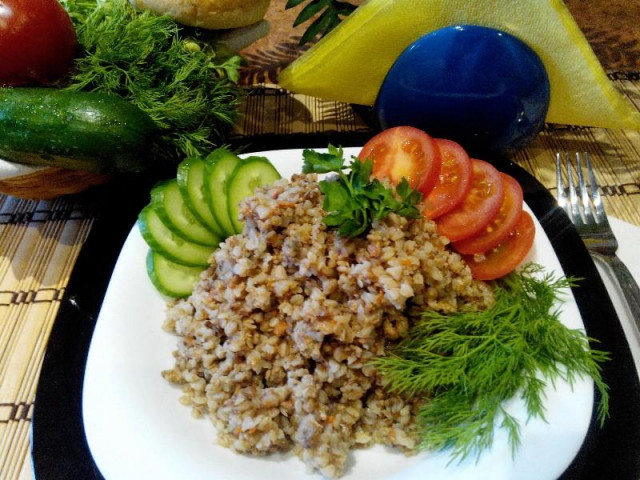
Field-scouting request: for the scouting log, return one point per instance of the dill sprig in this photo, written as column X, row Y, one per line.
column 184, row 84
column 78, row 10
column 468, row 363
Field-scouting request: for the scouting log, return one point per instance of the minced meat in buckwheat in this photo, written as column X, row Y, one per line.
column 275, row 341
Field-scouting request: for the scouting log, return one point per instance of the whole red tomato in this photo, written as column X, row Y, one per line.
column 37, row 42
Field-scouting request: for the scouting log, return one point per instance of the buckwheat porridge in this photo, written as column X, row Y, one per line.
column 275, row 343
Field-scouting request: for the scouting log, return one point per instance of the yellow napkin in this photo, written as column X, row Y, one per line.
column 351, row 62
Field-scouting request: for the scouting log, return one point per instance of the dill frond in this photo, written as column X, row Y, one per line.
column 466, row 364
column 184, row 84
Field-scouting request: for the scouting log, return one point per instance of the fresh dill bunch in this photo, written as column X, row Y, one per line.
column 185, row 85
column 78, row 10
column 466, row 364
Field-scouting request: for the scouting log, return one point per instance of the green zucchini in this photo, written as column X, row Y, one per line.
column 191, row 182
column 172, row 209
column 170, row 278
column 177, row 224
column 219, row 165
column 78, row 130
column 248, row 175
column 172, row 246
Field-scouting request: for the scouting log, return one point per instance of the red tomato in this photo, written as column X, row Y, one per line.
column 508, row 255
column 37, row 42
column 404, row 152
column 454, row 180
column 478, row 208
column 502, row 224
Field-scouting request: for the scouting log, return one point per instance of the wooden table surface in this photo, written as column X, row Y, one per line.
column 40, row 240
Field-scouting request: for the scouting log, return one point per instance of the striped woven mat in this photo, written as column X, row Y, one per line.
column 40, row 240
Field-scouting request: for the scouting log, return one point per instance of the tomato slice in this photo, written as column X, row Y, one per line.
column 508, row 255
column 404, row 152
column 453, row 182
column 478, row 208
column 502, row 224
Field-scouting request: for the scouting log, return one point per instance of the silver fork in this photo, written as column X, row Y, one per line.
column 583, row 204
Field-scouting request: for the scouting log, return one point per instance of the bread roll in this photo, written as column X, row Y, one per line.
column 212, row 14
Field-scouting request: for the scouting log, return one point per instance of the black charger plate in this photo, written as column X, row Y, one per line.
column 59, row 446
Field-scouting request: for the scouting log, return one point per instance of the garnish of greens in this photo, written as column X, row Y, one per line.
column 184, row 84
column 352, row 199
column 333, row 11
column 466, row 364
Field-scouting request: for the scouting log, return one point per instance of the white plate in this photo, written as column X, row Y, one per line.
column 137, row 429
column 11, row 169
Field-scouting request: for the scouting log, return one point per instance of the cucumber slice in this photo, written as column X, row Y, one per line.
column 219, row 165
column 170, row 278
column 170, row 206
column 191, row 174
column 252, row 173
column 174, row 247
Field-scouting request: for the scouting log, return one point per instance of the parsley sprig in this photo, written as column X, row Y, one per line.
column 353, row 200
column 468, row 363
column 333, row 11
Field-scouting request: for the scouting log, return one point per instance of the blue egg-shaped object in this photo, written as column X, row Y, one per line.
column 479, row 86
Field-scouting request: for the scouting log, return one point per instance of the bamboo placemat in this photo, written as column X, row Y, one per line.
column 40, row 240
